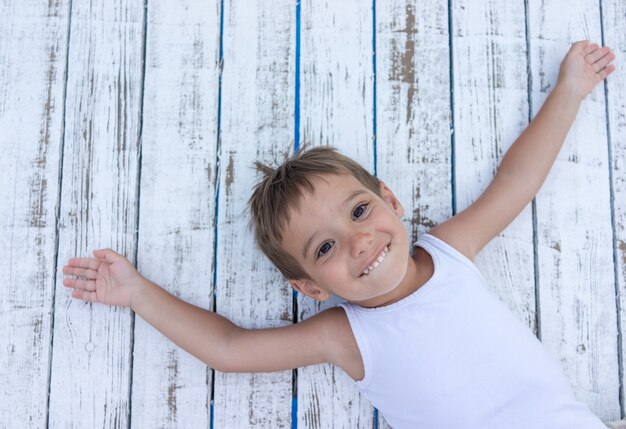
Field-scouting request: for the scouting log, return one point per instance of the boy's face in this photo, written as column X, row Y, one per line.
column 350, row 241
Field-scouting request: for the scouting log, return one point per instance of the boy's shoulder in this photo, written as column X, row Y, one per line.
column 336, row 332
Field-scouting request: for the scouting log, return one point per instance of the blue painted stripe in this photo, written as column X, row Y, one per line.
column 452, row 136
column 374, row 85
column 137, row 214
column 217, row 190
column 618, row 306
column 296, row 141
column 58, row 217
column 294, row 413
column 296, row 147
column 529, row 99
column 218, row 147
column 374, row 124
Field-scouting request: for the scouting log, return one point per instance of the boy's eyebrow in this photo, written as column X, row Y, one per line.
column 352, row 196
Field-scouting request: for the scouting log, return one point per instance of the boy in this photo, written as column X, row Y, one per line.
column 420, row 334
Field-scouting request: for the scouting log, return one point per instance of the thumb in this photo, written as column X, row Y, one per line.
column 107, row 254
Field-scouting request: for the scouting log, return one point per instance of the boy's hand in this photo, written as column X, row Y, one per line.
column 109, row 278
column 584, row 66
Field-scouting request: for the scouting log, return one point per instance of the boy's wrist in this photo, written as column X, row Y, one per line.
column 565, row 100
column 567, row 93
column 138, row 293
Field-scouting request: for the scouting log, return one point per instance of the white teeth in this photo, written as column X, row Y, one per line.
column 377, row 262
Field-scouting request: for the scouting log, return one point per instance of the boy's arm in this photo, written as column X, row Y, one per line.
column 111, row 279
column 225, row 346
column 527, row 163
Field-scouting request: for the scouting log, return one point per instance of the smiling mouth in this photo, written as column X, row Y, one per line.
column 377, row 262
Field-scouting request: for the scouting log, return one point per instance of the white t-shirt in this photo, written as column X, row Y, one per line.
column 451, row 355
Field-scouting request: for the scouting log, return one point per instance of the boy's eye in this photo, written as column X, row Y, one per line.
column 324, row 248
column 359, row 210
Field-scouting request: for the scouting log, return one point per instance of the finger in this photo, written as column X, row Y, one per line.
column 90, row 263
column 595, row 55
column 80, row 272
column 78, row 284
column 590, row 48
column 603, row 62
column 108, row 255
column 84, row 295
column 606, row 71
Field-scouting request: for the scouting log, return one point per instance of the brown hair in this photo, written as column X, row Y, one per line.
column 281, row 189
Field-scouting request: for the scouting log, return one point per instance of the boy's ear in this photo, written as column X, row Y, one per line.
column 310, row 289
column 391, row 199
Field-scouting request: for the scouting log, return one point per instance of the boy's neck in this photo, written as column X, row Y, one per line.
column 420, row 269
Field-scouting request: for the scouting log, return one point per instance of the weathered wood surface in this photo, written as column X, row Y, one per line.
column 177, row 203
column 148, row 159
column 91, row 353
column 413, row 111
column 614, row 25
column 33, row 47
column 490, row 111
column 257, row 120
column 336, row 108
column 578, row 321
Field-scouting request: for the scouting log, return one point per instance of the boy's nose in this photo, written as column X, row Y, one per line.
column 360, row 243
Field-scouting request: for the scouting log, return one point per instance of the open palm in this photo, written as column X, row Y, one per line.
column 584, row 66
column 109, row 278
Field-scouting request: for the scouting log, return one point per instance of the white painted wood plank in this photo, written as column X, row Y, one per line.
column 336, row 89
column 33, row 41
column 92, row 343
column 575, row 248
column 614, row 24
column 336, row 108
column 256, row 124
column 413, row 110
column 490, row 112
column 177, row 207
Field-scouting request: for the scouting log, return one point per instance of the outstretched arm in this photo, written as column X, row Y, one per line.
column 110, row 279
column 529, row 160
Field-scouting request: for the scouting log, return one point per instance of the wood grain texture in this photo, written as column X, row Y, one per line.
column 490, row 112
column 256, row 124
column 87, row 351
column 413, row 111
column 575, row 252
column 177, row 206
column 33, row 38
column 614, row 26
column 336, row 108
column 92, row 344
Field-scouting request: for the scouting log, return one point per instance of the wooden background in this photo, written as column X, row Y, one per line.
column 133, row 125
